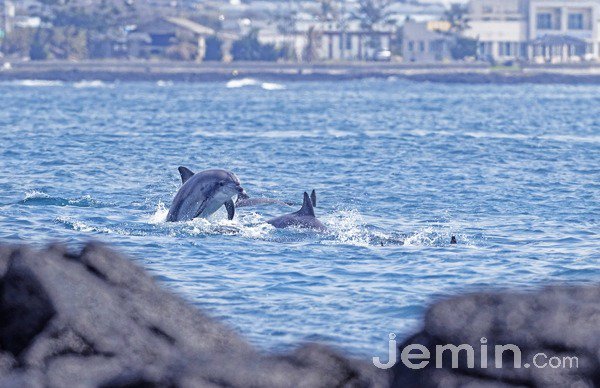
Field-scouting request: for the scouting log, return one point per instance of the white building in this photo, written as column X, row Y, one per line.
column 426, row 42
column 329, row 41
column 352, row 42
column 536, row 30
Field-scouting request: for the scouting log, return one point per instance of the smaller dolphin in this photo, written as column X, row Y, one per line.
column 202, row 194
column 303, row 218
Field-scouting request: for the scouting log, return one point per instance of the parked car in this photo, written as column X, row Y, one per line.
column 383, row 56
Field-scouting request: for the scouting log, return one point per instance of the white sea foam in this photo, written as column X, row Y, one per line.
column 429, row 236
column 38, row 83
column 250, row 225
column 163, row 84
column 81, row 226
column 347, row 227
column 240, row 83
column 90, row 84
column 31, row 194
column 160, row 215
column 272, row 86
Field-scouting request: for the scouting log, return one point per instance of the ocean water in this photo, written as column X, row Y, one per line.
column 512, row 171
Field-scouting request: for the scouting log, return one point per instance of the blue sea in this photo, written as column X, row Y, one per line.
column 399, row 167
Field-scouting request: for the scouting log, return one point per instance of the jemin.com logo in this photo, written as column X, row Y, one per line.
column 417, row 356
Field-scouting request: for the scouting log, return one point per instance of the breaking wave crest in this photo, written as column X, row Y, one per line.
column 240, row 83
column 39, row 198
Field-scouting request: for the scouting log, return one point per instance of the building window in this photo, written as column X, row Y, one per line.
column 544, row 21
column 411, row 46
column 575, row 21
column 433, row 46
column 421, row 46
column 504, row 49
column 348, row 42
column 523, row 50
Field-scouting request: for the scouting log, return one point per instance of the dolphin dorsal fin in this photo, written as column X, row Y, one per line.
column 307, row 207
column 313, row 198
column 185, row 173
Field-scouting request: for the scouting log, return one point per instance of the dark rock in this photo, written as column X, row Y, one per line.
column 556, row 321
column 95, row 319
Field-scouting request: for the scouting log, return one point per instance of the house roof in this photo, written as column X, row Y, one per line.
column 170, row 24
column 191, row 26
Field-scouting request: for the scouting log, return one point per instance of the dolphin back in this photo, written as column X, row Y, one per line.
column 303, row 218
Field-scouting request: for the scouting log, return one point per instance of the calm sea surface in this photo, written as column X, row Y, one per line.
column 512, row 171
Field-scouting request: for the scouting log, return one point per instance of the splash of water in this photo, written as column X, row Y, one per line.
column 240, row 83
column 272, row 86
column 160, row 215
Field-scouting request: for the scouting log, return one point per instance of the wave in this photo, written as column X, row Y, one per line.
column 272, row 86
column 240, row 83
column 164, row 84
column 38, row 83
column 39, row 198
column 90, row 84
column 81, row 226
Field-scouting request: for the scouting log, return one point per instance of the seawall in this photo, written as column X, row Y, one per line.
column 114, row 71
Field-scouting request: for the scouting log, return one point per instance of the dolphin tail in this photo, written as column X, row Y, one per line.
column 453, row 240
column 313, row 198
column 307, row 207
column 185, row 173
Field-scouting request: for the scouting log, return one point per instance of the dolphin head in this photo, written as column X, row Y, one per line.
column 230, row 185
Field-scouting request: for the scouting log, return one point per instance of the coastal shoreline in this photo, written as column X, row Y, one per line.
column 135, row 71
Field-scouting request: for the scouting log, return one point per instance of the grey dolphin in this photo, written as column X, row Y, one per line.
column 204, row 193
column 303, row 218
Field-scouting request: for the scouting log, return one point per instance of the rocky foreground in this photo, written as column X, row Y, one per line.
column 94, row 319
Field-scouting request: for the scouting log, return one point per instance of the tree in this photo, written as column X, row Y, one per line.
column 310, row 51
column 73, row 25
column 373, row 12
column 248, row 48
column 327, row 10
column 462, row 48
column 456, row 15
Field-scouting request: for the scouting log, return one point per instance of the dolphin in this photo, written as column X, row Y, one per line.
column 303, row 218
column 204, row 193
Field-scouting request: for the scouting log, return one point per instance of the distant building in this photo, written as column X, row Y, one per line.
column 426, row 42
column 536, row 30
column 562, row 29
column 7, row 17
column 169, row 37
column 331, row 42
